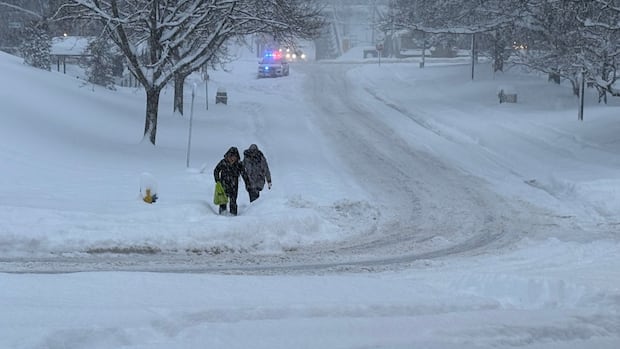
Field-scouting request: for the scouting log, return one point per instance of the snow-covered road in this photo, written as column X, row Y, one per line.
column 424, row 202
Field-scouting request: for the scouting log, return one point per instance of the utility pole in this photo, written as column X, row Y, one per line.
column 372, row 24
column 205, row 77
column 473, row 54
column 336, row 30
column 191, row 118
column 423, row 50
column 392, row 39
column 581, row 94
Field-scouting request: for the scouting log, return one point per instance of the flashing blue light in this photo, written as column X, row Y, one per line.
column 273, row 55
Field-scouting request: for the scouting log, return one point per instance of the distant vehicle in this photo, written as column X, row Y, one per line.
column 293, row 55
column 273, row 64
column 519, row 46
column 370, row 52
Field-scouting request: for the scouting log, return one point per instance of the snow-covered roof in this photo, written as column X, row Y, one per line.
column 70, row 45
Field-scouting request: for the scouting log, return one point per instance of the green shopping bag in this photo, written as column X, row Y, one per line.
column 219, row 196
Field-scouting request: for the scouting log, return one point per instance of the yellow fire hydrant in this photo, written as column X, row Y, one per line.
column 148, row 198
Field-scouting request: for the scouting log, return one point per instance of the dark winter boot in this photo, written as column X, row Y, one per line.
column 222, row 209
column 254, row 193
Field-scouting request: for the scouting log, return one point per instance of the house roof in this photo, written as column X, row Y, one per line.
column 70, row 45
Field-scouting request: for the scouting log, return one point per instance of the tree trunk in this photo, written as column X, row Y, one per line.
column 152, row 108
column 602, row 94
column 498, row 63
column 554, row 77
column 575, row 85
column 179, row 83
column 498, row 51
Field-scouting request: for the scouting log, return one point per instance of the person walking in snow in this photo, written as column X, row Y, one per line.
column 257, row 171
column 227, row 172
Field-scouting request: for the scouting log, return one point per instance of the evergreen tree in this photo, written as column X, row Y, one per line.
column 101, row 63
column 36, row 47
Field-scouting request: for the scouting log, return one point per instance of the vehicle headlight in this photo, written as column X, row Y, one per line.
column 303, row 56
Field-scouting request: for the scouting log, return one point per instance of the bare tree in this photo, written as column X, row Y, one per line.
column 164, row 39
column 600, row 19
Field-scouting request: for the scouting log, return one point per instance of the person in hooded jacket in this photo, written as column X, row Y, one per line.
column 227, row 172
column 257, row 171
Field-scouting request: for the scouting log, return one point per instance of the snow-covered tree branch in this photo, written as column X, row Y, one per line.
column 563, row 37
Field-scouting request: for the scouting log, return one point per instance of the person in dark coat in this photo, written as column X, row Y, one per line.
column 227, row 172
column 257, row 170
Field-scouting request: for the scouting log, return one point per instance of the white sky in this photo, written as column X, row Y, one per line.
column 409, row 209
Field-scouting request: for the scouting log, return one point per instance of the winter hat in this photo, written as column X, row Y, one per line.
column 233, row 151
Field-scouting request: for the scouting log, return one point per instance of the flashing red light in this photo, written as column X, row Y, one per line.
column 273, row 55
